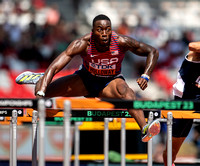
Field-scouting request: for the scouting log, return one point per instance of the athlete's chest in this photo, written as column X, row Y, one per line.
column 103, row 63
column 107, row 57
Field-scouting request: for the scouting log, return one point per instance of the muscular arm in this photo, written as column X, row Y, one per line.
column 141, row 49
column 77, row 47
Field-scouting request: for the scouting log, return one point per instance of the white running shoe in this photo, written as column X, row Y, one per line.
column 28, row 77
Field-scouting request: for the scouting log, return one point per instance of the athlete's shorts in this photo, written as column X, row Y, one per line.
column 94, row 84
column 181, row 127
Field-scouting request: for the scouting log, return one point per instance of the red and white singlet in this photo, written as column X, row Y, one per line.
column 104, row 64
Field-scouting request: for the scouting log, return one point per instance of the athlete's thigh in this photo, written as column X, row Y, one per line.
column 67, row 86
column 117, row 88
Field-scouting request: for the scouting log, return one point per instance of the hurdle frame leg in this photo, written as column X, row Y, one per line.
column 150, row 143
column 169, row 122
column 13, row 139
column 41, row 110
column 11, row 147
column 34, row 138
column 169, row 138
column 77, row 143
column 106, row 141
column 66, row 127
column 123, row 142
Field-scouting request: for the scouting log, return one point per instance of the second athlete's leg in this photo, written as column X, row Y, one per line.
column 176, row 144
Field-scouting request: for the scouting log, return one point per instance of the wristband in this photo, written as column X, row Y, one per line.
column 40, row 93
column 145, row 76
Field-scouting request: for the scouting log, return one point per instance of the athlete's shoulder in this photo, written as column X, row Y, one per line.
column 81, row 41
column 127, row 42
column 86, row 37
column 121, row 38
column 118, row 36
column 78, row 46
column 124, row 39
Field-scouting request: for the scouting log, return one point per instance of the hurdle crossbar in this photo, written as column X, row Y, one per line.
column 92, row 103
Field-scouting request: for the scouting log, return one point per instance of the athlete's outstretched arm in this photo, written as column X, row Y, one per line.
column 141, row 49
column 77, row 47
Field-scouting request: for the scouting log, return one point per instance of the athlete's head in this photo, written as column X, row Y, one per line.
column 102, row 29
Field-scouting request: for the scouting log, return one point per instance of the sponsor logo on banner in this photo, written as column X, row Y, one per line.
column 8, row 112
column 16, row 103
column 23, row 103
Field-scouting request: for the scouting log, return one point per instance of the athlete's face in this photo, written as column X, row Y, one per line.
column 102, row 32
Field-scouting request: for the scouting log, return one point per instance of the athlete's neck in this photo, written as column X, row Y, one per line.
column 101, row 48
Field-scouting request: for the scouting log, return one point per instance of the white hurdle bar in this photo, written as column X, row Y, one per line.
column 67, row 149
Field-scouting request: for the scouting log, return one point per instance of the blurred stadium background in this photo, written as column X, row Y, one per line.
column 34, row 32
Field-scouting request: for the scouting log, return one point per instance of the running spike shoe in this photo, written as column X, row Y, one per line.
column 150, row 130
column 28, row 77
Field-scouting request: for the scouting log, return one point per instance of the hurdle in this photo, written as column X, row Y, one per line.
column 122, row 143
column 165, row 105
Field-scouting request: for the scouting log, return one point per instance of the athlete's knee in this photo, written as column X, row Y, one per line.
column 125, row 92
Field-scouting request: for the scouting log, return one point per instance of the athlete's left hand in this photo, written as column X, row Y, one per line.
column 142, row 83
